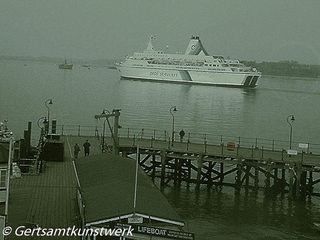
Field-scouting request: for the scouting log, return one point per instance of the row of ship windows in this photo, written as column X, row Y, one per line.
column 188, row 64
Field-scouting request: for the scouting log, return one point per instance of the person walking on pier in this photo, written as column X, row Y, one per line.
column 86, row 147
column 76, row 150
column 181, row 133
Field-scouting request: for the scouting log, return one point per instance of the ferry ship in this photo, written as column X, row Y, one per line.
column 196, row 66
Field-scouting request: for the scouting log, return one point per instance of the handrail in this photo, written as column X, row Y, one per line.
column 200, row 138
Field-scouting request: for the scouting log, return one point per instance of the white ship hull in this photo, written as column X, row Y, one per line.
column 237, row 79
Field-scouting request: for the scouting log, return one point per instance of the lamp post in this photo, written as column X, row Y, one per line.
column 172, row 110
column 47, row 103
column 290, row 120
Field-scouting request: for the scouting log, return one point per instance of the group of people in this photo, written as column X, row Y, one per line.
column 86, row 148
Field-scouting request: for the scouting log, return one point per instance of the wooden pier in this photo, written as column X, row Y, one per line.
column 227, row 163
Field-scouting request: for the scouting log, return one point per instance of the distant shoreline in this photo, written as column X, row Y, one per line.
column 271, row 69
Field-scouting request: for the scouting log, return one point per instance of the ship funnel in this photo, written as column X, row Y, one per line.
column 150, row 45
column 195, row 47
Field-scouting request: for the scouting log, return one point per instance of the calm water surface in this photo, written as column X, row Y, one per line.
column 82, row 93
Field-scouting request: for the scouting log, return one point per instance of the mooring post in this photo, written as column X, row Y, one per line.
column 163, row 167
column 200, row 162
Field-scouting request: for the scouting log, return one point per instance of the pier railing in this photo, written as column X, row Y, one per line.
column 198, row 138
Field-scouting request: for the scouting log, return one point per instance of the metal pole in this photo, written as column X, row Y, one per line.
column 116, row 127
column 290, row 124
column 290, row 136
column 136, row 181
column 48, row 101
column 172, row 109
column 172, row 136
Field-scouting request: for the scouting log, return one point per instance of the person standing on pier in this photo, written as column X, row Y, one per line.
column 181, row 133
column 86, row 147
column 76, row 150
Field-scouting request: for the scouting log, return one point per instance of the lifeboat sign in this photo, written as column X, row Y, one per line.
column 193, row 47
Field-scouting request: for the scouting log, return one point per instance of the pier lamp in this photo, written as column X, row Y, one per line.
column 47, row 103
column 172, row 110
column 290, row 120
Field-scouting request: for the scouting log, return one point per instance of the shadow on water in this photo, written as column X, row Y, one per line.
column 249, row 91
column 244, row 215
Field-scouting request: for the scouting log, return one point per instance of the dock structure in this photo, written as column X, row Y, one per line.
column 90, row 192
column 226, row 163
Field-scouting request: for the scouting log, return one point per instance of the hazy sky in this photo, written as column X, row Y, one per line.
column 245, row 29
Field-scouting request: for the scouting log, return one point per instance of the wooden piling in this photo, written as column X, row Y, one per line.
column 163, row 167
column 256, row 178
column 199, row 163
column 209, row 177
column 238, row 176
column 189, row 172
column 298, row 179
column 310, row 182
column 268, row 174
column 221, row 173
column 291, row 179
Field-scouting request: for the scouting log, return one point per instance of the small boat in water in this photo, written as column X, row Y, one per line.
column 66, row 65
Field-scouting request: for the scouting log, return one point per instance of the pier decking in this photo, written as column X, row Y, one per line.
column 47, row 199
